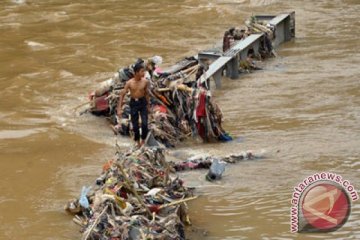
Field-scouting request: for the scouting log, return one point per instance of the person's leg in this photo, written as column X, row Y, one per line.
column 134, row 111
column 144, row 121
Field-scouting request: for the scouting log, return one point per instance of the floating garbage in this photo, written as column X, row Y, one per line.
column 138, row 195
column 180, row 107
column 134, row 198
column 216, row 165
column 181, row 103
column 216, row 170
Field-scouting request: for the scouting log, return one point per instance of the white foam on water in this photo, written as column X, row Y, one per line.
column 262, row 2
column 36, row 46
column 18, row 1
column 13, row 134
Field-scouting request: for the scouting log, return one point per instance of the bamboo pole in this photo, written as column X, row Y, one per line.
column 128, row 183
column 94, row 223
column 177, row 202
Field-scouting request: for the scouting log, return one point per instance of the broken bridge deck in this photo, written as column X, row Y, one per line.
column 284, row 31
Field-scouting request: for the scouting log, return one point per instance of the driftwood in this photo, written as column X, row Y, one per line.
column 91, row 228
column 129, row 185
column 155, row 204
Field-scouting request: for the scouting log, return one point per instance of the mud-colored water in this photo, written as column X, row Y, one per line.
column 303, row 109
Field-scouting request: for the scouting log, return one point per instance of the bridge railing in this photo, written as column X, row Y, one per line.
column 230, row 60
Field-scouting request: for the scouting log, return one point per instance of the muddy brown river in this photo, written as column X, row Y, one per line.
column 303, row 109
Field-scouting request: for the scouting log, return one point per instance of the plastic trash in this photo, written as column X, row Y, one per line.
column 216, row 170
column 84, row 202
column 157, row 60
column 225, row 137
column 153, row 192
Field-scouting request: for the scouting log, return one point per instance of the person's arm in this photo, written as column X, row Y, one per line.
column 147, row 95
column 121, row 99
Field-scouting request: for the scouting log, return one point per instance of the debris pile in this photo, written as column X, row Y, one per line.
column 215, row 165
column 265, row 49
column 180, row 106
column 138, row 196
column 252, row 26
column 134, row 198
column 256, row 26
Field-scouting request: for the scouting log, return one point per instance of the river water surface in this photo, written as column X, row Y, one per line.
column 303, row 109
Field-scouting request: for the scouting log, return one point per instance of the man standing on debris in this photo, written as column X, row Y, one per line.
column 139, row 102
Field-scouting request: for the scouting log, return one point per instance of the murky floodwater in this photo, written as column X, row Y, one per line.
column 304, row 108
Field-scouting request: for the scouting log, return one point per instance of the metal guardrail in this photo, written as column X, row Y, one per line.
column 284, row 31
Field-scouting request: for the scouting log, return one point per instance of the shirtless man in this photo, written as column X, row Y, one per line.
column 139, row 102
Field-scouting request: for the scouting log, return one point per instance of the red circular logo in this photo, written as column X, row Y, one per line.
column 326, row 206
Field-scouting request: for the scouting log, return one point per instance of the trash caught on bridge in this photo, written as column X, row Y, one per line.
column 180, row 106
column 139, row 195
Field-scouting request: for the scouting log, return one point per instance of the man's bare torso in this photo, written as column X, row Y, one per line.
column 137, row 88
